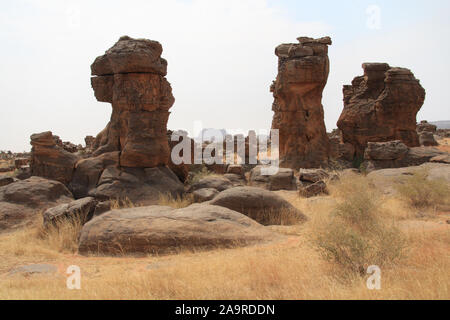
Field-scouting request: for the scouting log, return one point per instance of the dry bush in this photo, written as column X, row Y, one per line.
column 177, row 202
column 356, row 235
column 62, row 236
column 198, row 174
column 125, row 203
column 420, row 192
column 277, row 217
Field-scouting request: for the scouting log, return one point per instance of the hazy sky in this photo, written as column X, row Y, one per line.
column 220, row 53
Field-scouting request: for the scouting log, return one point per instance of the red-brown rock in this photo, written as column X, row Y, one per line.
column 130, row 76
column 381, row 106
column 302, row 75
column 50, row 160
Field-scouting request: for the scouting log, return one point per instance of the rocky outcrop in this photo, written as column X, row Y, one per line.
column 381, row 106
column 205, row 194
column 130, row 76
column 425, row 126
column 212, row 182
column 283, row 180
column 21, row 201
column 312, row 182
column 78, row 211
column 302, row 75
column 263, row 206
column 427, row 139
column 162, row 230
column 387, row 180
column 395, row 154
column 50, row 160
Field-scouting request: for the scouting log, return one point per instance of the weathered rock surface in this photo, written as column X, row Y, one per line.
column 49, row 160
column 237, row 180
column 302, row 75
column 205, row 194
column 314, row 189
column 264, row 206
column 130, row 76
column 21, row 201
column 395, row 154
column 81, row 210
column 386, row 179
column 426, row 139
column 160, row 230
column 283, row 180
column 139, row 185
column 381, row 106
column 312, row 182
column 312, row 175
column 424, row 126
column 4, row 181
column 213, row 182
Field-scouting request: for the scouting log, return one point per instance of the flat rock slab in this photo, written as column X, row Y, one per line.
column 386, row 179
column 162, row 230
column 34, row 269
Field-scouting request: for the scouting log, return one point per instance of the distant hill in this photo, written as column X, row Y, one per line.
column 442, row 124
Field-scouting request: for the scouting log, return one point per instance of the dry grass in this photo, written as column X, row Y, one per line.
column 419, row 192
column 175, row 202
column 290, row 269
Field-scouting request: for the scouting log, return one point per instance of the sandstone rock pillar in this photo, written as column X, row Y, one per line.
column 131, row 76
column 302, row 75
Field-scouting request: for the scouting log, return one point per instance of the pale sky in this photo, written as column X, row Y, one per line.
column 220, row 54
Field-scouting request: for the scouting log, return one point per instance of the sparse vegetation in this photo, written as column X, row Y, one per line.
column 290, row 269
column 420, row 192
column 175, row 202
column 357, row 236
column 199, row 174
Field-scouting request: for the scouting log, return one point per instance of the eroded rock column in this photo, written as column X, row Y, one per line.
column 131, row 76
column 302, row 75
column 381, row 106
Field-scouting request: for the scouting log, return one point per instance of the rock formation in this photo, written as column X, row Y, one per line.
column 163, row 230
column 381, row 106
column 131, row 76
column 302, row 75
column 128, row 158
column 50, row 160
column 395, row 154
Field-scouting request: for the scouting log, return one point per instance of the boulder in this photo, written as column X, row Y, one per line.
column 142, row 186
column 212, row 182
column 424, row 126
column 81, row 210
column 264, row 206
column 392, row 150
column 381, row 106
column 313, row 190
column 298, row 112
column 235, row 169
column 4, row 181
column 205, row 194
column 162, row 230
column 236, row 179
column 445, row 158
column 427, row 139
column 33, row 270
column 50, row 160
column 312, row 175
column 386, row 179
column 283, row 180
column 21, row 202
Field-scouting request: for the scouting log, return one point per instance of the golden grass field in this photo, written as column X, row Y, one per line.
column 290, row 269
